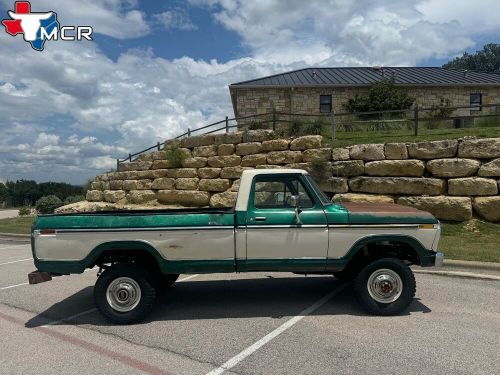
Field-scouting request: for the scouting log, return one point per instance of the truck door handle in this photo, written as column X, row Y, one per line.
column 260, row 218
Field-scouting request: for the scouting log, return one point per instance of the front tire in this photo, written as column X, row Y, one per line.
column 385, row 287
column 124, row 293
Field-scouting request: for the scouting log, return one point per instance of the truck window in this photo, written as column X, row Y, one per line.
column 277, row 193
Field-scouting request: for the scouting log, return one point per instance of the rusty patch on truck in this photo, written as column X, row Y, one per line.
column 369, row 213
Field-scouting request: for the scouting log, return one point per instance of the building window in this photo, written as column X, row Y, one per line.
column 325, row 103
column 476, row 100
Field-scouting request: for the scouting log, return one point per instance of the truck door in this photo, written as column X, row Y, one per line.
column 276, row 240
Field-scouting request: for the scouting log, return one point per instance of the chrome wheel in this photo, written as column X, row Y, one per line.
column 385, row 285
column 123, row 294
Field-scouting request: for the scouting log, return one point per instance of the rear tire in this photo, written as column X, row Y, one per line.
column 385, row 287
column 124, row 293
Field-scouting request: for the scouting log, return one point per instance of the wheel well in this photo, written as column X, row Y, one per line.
column 141, row 258
column 383, row 249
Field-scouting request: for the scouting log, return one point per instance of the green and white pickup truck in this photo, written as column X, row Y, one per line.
column 281, row 222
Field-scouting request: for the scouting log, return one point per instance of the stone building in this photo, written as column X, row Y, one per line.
column 327, row 90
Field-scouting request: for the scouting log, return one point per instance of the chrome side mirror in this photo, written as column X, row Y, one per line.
column 295, row 202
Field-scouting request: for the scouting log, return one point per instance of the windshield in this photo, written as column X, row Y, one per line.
column 322, row 197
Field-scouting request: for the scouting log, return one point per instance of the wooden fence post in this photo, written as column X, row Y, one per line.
column 189, row 132
column 334, row 128
column 227, row 124
column 117, row 164
column 416, row 120
column 274, row 119
column 158, row 145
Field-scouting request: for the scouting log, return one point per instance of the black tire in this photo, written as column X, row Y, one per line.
column 367, row 296
column 163, row 282
column 346, row 275
column 133, row 276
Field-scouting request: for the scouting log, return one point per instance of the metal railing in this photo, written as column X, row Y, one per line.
column 409, row 119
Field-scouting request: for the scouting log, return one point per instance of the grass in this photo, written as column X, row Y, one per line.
column 473, row 240
column 18, row 225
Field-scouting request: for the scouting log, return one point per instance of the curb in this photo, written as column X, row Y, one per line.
column 489, row 266
column 467, row 275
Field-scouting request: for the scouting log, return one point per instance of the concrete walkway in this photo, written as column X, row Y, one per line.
column 6, row 214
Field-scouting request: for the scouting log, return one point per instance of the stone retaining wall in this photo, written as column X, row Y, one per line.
column 453, row 179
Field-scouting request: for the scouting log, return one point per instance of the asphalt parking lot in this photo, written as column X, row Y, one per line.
column 264, row 323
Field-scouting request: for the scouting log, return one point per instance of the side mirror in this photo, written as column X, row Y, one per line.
column 295, row 202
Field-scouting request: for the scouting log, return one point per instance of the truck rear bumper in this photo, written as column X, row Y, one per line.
column 37, row 277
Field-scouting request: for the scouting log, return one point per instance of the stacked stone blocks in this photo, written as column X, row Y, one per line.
column 452, row 178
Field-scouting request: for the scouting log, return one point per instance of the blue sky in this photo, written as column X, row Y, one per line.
column 158, row 67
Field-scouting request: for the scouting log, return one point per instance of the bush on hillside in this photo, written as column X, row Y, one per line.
column 47, row 204
column 74, row 199
column 25, row 211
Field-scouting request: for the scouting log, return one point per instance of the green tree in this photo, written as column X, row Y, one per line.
column 47, row 205
column 4, row 193
column 383, row 96
column 485, row 60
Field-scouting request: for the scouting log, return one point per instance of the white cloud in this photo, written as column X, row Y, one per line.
column 116, row 18
column 175, row 19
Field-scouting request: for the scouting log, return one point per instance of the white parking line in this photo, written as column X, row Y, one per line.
column 16, row 261
column 70, row 317
column 282, row 328
column 188, row 278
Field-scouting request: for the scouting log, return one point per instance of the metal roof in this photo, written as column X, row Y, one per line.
column 365, row 76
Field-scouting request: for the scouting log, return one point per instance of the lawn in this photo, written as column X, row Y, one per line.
column 474, row 240
column 18, row 225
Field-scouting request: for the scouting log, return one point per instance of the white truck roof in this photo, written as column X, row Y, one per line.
column 246, row 183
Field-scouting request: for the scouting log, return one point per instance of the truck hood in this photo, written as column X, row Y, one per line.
column 385, row 213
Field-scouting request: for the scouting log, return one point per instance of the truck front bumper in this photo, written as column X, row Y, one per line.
column 432, row 259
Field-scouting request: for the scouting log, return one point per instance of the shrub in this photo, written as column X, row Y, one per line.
column 47, row 204
column 174, row 155
column 255, row 125
column 73, row 199
column 383, row 96
column 25, row 211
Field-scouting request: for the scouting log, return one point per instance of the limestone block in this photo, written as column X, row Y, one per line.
column 184, row 198
column 472, row 186
column 324, row 154
column 250, row 148
column 306, row 142
column 199, row 140
column 140, row 196
column 224, row 161
column 395, row 151
column 257, row 135
column 137, row 184
column 442, row 207
column 195, row 162
column 433, row 149
column 397, row 185
column 367, row 152
column 340, row 154
column 253, row 160
column 113, row 196
column 348, row 168
column 275, row 145
column 186, row 173
column 216, row 184
column 487, row 207
column 411, row 168
column 116, row 185
column 225, row 199
column 186, row 183
column 334, row 185
column 205, row 151
column 138, row 165
column 491, row 169
column 284, row 157
column 233, row 138
column 209, row 172
column 454, row 167
column 232, row 172
column 225, row 149
column 94, row 196
column 163, row 183
column 486, row 148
